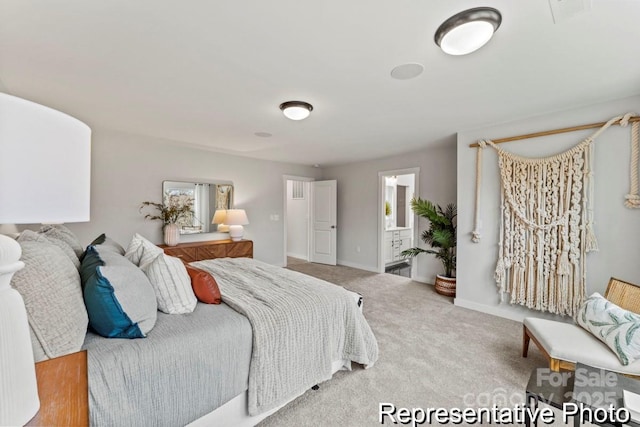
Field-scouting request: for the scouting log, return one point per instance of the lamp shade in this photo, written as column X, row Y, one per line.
column 219, row 217
column 45, row 164
column 236, row 217
column 45, row 167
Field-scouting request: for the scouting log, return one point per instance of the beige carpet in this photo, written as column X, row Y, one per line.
column 432, row 354
column 292, row 261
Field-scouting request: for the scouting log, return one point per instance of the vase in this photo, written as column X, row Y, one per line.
column 171, row 234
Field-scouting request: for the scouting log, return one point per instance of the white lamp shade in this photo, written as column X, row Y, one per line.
column 45, row 164
column 236, row 217
column 219, row 217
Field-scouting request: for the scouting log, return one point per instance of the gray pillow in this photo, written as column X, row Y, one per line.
column 28, row 235
column 62, row 233
column 50, row 287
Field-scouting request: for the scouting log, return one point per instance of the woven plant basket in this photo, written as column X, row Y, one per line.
column 446, row 285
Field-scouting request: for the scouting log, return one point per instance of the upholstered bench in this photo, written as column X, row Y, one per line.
column 564, row 344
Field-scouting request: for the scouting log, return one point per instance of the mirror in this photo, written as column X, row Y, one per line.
column 398, row 192
column 205, row 198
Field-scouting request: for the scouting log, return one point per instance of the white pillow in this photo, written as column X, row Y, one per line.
column 141, row 251
column 616, row 327
column 172, row 285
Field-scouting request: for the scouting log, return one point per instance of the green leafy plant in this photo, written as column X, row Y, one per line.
column 441, row 235
column 387, row 208
column 168, row 214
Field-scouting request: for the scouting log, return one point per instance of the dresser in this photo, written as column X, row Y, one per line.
column 395, row 241
column 211, row 249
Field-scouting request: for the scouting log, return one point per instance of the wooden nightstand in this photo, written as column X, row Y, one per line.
column 198, row 251
column 63, row 390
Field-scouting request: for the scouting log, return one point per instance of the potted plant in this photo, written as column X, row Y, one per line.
column 441, row 236
column 169, row 215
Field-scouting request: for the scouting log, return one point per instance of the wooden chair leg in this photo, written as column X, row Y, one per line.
column 525, row 341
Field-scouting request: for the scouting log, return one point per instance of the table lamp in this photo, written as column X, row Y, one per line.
column 45, row 170
column 236, row 218
column 219, row 218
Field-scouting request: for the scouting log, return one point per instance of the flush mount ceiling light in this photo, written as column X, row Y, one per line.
column 296, row 110
column 468, row 31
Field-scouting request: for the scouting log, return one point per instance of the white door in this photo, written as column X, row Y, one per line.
column 324, row 215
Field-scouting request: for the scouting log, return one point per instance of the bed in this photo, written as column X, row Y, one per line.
column 276, row 334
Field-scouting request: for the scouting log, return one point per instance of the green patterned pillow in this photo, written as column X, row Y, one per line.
column 614, row 326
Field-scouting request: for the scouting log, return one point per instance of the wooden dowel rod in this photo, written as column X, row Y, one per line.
column 552, row 132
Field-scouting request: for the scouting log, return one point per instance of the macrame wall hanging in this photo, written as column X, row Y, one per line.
column 546, row 223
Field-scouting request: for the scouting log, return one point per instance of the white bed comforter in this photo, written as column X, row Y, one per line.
column 300, row 326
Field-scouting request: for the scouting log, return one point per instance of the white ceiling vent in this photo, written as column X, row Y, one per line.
column 562, row 10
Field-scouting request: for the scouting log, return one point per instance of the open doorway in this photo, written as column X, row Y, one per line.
column 310, row 220
column 397, row 224
column 296, row 219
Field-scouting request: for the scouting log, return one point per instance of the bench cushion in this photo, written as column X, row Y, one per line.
column 567, row 341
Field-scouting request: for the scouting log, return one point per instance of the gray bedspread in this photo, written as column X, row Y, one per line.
column 300, row 326
column 187, row 366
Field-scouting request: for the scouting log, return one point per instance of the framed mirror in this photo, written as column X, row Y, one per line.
column 206, row 198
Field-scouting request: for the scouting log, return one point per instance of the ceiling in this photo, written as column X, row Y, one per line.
column 212, row 73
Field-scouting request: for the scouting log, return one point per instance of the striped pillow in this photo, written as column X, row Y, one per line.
column 141, row 251
column 172, row 285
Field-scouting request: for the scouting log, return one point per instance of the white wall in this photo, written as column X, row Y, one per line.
column 616, row 226
column 358, row 203
column 298, row 223
column 129, row 169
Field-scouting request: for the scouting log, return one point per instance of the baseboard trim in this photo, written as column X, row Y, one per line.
column 299, row 256
column 493, row 310
column 423, row 279
column 358, row 266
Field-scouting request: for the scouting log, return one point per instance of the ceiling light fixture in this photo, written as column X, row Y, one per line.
column 296, row 110
column 468, row 31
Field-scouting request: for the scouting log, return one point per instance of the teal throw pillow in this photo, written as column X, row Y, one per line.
column 119, row 298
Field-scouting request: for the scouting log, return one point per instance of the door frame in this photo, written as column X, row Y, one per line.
column 286, row 178
column 381, row 195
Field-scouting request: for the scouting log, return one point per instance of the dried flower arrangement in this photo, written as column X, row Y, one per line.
column 171, row 212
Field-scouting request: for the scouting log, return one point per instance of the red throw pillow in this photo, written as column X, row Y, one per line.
column 204, row 285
